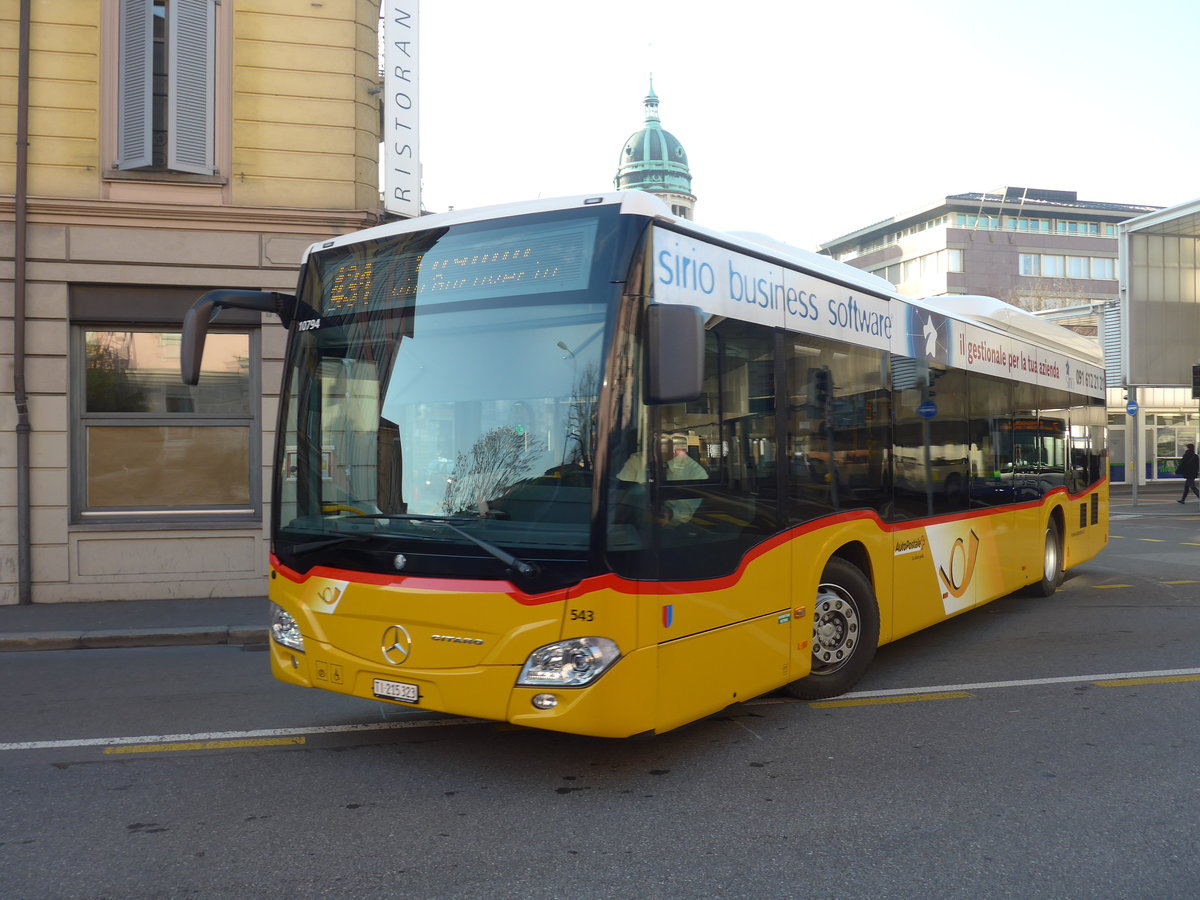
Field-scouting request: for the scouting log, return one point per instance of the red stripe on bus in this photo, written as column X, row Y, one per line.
column 620, row 584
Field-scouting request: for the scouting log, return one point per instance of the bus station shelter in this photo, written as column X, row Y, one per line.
column 1159, row 272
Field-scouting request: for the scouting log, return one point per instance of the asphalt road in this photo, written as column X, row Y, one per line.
column 1033, row 748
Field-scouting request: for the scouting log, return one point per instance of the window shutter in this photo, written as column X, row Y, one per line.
column 135, row 112
column 1110, row 340
column 190, row 48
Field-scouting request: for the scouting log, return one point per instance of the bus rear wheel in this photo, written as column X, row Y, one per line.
column 845, row 632
column 1052, row 561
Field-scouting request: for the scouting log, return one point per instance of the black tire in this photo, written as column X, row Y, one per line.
column 1052, row 561
column 845, row 620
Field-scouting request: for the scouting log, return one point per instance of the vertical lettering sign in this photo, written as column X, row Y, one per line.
column 401, row 156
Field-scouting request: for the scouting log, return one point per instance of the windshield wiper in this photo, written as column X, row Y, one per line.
column 529, row 570
column 310, row 546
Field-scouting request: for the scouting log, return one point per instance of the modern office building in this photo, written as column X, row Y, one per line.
column 1036, row 249
column 155, row 149
column 1158, row 356
column 1045, row 251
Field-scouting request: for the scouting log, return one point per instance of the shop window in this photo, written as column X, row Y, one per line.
column 148, row 446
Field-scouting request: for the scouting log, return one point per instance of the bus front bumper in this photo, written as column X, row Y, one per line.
column 620, row 703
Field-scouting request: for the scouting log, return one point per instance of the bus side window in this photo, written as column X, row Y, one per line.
column 990, row 434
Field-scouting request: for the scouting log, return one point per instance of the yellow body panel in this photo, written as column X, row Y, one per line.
column 687, row 649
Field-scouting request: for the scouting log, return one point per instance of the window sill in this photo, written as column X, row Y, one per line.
column 162, row 177
column 149, row 522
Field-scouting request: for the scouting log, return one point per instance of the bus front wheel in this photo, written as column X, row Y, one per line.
column 845, row 632
column 1052, row 561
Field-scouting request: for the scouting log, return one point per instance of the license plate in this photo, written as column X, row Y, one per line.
column 396, row 690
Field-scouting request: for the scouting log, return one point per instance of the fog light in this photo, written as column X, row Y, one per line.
column 545, row 701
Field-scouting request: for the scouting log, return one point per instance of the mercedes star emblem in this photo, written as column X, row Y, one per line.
column 396, row 644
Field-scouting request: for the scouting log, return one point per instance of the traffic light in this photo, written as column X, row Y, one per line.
column 820, row 389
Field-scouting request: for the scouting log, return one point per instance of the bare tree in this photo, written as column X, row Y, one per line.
column 581, row 423
column 498, row 460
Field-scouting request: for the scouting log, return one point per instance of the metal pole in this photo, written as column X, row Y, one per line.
column 20, row 203
column 1137, row 442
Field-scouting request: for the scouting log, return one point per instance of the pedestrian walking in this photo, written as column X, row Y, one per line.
column 1189, row 468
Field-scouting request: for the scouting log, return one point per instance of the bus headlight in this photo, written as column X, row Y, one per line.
column 570, row 663
column 285, row 630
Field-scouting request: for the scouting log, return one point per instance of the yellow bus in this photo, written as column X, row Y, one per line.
column 585, row 466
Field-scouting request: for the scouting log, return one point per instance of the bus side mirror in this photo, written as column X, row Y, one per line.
column 204, row 310
column 674, row 353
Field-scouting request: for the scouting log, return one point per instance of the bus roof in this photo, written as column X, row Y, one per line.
column 1004, row 318
column 985, row 312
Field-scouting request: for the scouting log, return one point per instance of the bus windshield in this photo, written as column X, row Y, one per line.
column 442, row 393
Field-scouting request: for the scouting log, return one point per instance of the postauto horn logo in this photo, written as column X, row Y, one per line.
column 963, row 554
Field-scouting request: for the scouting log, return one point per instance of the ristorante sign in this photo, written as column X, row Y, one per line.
column 401, row 155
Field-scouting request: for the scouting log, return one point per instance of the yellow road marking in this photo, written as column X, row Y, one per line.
column 205, row 745
column 1104, row 587
column 904, row 698
column 1151, row 540
column 1189, row 544
column 1168, row 679
column 1181, row 582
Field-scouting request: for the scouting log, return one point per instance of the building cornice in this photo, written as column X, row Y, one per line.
column 191, row 217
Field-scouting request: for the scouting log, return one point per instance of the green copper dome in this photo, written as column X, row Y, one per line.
column 653, row 159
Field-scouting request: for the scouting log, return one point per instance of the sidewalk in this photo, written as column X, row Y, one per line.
column 1153, row 499
column 243, row 620
column 133, row 623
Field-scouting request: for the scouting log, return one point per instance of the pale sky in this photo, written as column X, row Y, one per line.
column 807, row 120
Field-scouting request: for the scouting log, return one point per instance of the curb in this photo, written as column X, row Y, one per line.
column 135, row 637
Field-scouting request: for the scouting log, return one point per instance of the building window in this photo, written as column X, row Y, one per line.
column 985, row 223
column 927, row 266
column 148, row 446
column 1052, row 266
column 165, row 94
column 1024, row 223
column 1064, row 226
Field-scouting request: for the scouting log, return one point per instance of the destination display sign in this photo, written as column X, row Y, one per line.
column 483, row 264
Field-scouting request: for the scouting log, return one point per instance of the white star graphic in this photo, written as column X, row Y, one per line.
column 930, row 335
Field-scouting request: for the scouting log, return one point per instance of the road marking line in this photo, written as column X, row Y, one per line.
column 1028, row 682
column 1191, row 581
column 1188, row 544
column 1166, row 679
column 1121, row 677
column 1105, row 587
column 236, row 735
column 205, row 745
column 1151, row 540
column 904, row 698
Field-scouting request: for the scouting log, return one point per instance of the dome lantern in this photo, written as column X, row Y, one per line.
column 654, row 160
